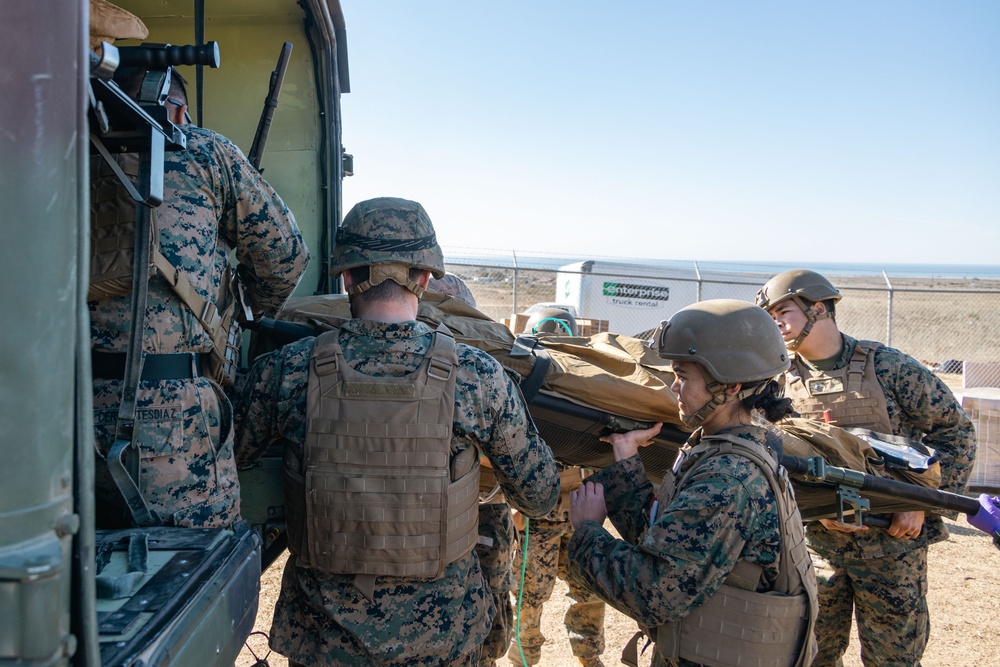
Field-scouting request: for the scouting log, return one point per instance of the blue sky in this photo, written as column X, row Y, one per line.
column 730, row 131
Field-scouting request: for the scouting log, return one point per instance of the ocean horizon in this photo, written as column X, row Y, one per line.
column 550, row 262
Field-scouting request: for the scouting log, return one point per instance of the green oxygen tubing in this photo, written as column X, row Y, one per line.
column 520, row 590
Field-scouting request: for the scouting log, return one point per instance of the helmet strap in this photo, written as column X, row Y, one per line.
column 811, row 318
column 719, row 398
column 379, row 273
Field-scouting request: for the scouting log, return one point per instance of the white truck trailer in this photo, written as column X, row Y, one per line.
column 635, row 297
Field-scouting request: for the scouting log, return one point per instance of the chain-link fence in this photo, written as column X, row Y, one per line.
column 950, row 324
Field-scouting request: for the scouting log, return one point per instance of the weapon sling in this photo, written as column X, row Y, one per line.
column 123, row 458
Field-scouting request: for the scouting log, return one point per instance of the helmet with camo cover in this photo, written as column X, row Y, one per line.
column 390, row 235
column 804, row 288
column 733, row 341
column 454, row 286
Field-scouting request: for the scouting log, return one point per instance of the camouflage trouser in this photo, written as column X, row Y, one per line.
column 467, row 660
column 322, row 619
column 496, row 553
column 187, row 471
column 547, row 557
column 888, row 596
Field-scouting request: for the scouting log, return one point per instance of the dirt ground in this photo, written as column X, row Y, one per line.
column 964, row 577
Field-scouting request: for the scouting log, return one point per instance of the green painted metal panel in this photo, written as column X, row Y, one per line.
column 250, row 35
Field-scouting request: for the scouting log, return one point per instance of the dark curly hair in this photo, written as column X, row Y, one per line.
column 768, row 399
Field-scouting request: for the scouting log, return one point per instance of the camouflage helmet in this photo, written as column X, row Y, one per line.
column 797, row 284
column 387, row 230
column 734, row 341
column 454, row 286
column 552, row 320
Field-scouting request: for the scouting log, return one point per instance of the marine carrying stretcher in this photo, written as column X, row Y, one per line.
column 579, row 389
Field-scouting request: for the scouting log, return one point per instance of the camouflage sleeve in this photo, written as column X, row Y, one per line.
column 272, row 402
column 928, row 408
column 269, row 248
column 523, row 463
column 628, row 495
column 685, row 556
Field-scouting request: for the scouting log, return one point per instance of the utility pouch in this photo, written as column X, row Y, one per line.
column 224, row 360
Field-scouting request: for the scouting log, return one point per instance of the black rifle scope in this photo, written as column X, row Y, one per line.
column 162, row 56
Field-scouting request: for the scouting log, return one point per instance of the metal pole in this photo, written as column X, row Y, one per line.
column 697, row 274
column 199, row 70
column 514, row 255
column 888, row 317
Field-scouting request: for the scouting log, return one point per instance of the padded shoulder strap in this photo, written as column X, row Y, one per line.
column 858, row 361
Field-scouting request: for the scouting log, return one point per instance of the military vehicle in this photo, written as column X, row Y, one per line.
column 71, row 594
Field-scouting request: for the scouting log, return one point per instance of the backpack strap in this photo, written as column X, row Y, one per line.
column 527, row 346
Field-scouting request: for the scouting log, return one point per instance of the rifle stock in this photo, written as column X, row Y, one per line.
column 270, row 104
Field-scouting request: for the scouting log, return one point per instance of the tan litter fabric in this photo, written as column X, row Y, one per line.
column 615, row 373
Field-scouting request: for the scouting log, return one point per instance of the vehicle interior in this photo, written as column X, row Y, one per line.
column 69, row 593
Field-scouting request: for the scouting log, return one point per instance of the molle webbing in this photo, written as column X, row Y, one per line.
column 384, row 495
column 852, row 394
column 738, row 625
column 112, row 228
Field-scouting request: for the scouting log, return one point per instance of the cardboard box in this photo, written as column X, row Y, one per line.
column 983, row 408
column 590, row 327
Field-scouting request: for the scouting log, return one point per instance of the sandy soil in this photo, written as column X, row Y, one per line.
column 964, row 577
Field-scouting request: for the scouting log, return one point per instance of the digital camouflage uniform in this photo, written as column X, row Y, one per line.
column 495, row 551
column 881, row 578
column 214, row 202
column 321, row 618
column 724, row 513
column 548, row 541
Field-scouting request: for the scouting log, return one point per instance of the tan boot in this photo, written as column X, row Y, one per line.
column 591, row 662
column 531, row 655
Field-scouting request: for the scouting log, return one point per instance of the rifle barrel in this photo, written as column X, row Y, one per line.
column 270, row 104
column 282, row 332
